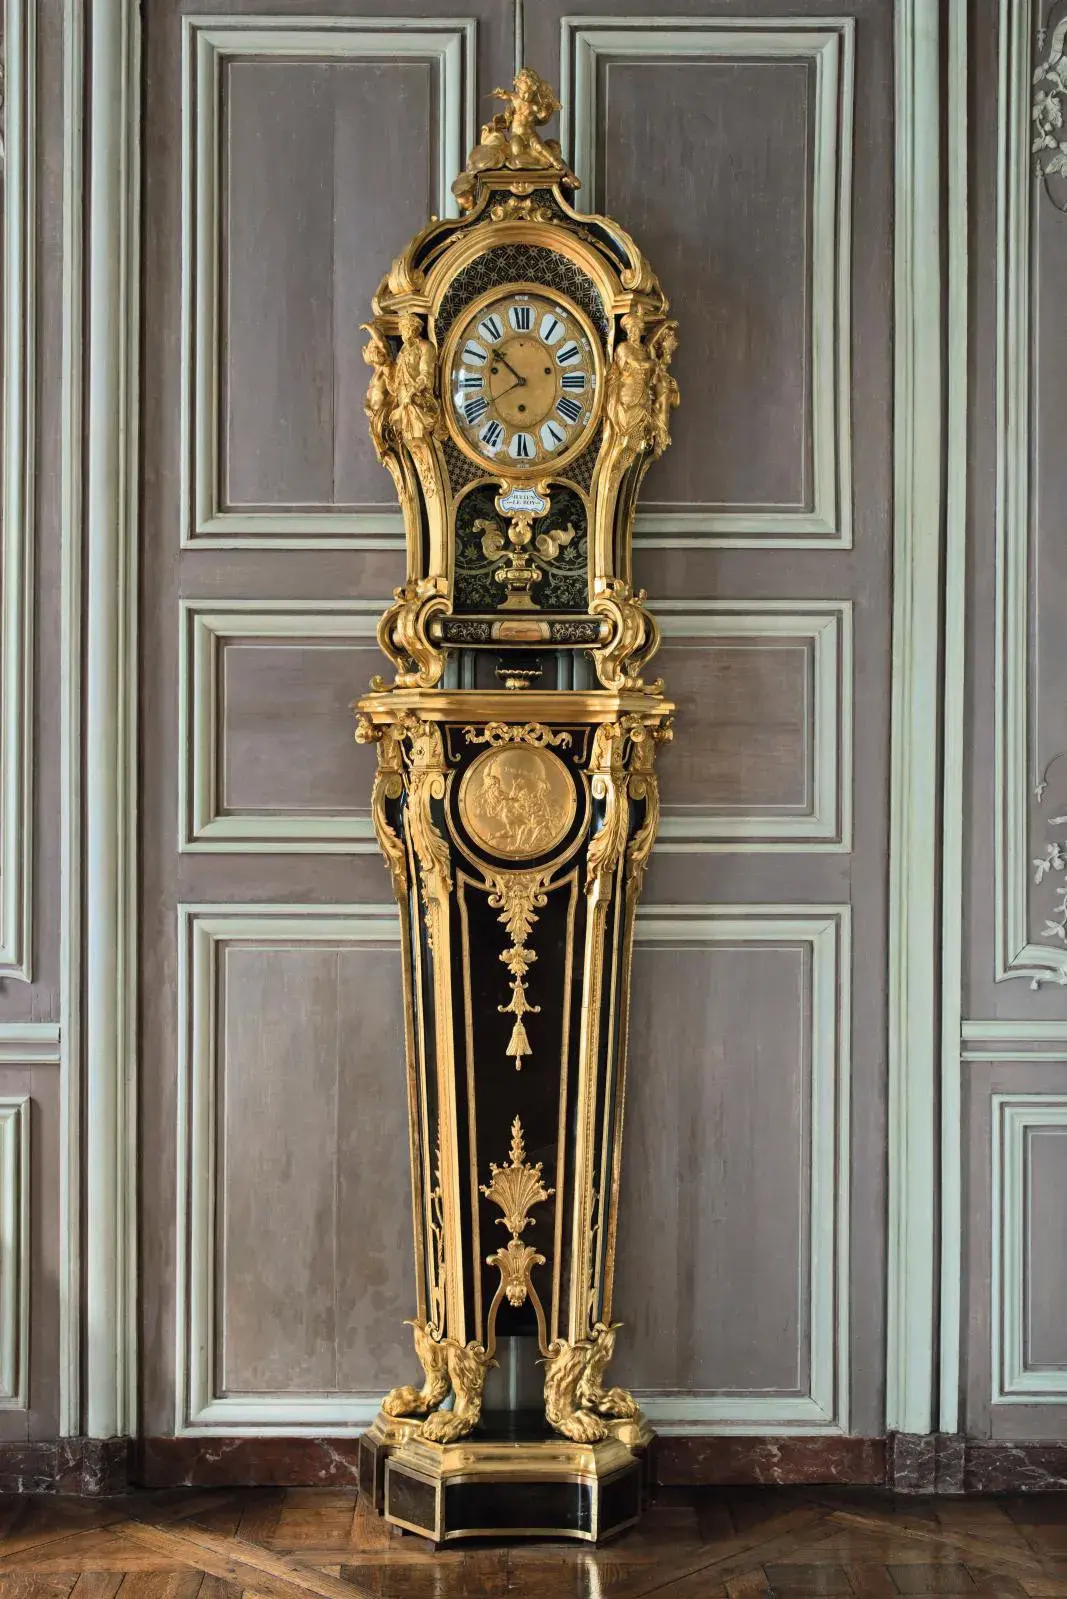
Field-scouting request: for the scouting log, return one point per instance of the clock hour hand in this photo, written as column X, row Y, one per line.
column 520, row 382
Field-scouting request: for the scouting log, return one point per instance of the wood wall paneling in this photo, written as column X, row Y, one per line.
column 752, row 140
column 765, row 698
column 267, row 757
column 1028, row 1264
column 280, row 115
column 287, row 158
column 761, row 654
column 18, row 487
column 30, row 1309
column 294, row 1218
column 757, row 1338
column 14, row 1251
column 1015, row 1106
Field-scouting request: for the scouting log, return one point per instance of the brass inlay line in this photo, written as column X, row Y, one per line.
column 564, row 1075
column 464, row 883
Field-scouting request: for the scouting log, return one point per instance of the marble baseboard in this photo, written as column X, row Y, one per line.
column 90, row 1466
column 247, row 1462
column 904, row 1463
column 700, row 1461
column 996, row 1467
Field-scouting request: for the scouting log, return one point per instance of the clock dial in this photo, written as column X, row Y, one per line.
column 523, row 381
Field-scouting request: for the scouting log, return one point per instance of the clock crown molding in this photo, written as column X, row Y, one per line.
column 510, row 143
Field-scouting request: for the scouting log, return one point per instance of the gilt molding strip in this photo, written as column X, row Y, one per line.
column 207, row 42
column 824, row 931
column 828, row 43
column 17, row 489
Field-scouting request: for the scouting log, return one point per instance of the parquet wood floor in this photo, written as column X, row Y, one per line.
column 772, row 1543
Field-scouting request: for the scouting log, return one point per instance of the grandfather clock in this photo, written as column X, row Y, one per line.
column 520, row 387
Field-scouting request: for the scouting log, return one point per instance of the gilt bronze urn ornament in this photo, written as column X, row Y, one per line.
column 520, row 388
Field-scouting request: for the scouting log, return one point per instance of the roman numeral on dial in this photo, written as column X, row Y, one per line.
column 492, row 435
column 569, row 409
column 569, row 352
column 491, row 328
column 521, row 318
column 474, row 410
column 474, row 380
column 552, row 435
column 572, row 380
column 551, row 328
column 474, row 352
column 522, row 447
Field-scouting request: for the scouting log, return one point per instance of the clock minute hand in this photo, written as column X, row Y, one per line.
column 519, row 379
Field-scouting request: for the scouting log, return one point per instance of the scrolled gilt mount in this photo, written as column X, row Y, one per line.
column 520, row 388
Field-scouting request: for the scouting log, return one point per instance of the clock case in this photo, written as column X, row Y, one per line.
column 516, row 804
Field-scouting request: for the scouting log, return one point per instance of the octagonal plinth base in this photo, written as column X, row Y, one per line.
column 385, row 1435
column 504, row 1483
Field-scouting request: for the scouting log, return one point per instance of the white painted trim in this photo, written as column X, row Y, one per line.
column 111, row 686
column 828, row 43
column 916, row 776
column 999, row 1056
column 954, row 713
column 72, row 448
column 207, row 626
column 826, row 826
column 30, row 1043
column 993, row 1032
column 1000, row 1041
column 1014, row 1381
column 450, row 44
column 825, row 930
column 1016, row 954
column 14, row 1253
column 17, row 490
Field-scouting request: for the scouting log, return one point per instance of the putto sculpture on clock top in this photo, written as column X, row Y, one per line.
column 520, row 387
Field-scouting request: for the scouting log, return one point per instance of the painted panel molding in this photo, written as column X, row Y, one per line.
column 826, row 933
column 109, row 1322
column 17, row 488
column 207, row 628
column 587, row 44
column 14, row 1252
column 823, row 630
column 204, row 932
column 1022, row 765
column 823, row 931
column 29, row 1043
column 915, row 766
column 448, row 45
column 1017, row 1118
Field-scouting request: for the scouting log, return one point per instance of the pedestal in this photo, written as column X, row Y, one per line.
column 516, row 826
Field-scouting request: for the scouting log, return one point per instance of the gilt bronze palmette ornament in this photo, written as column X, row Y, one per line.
column 520, row 388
